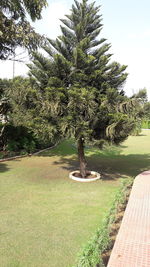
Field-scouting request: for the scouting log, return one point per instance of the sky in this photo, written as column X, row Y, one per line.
column 126, row 26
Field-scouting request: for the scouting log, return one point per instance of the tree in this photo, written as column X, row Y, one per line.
column 141, row 110
column 15, row 30
column 16, row 97
column 147, row 110
column 79, row 91
column 142, row 95
column 22, row 100
column 4, row 107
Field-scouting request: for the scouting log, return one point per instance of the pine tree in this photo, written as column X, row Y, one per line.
column 80, row 88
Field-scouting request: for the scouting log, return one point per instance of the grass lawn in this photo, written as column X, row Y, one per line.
column 46, row 218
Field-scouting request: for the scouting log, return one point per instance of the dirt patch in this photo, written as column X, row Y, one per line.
column 88, row 175
column 105, row 257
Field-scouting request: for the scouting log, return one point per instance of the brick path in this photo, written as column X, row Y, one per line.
column 132, row 246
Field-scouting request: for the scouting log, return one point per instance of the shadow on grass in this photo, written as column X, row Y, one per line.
column 110, row 168
column 124, row 165
column 3, row 167
column 111, row 163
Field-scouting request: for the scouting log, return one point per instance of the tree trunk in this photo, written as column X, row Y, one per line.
column 81, row 156
column 1, row 135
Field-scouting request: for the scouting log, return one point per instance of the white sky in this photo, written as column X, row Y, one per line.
column 126, row 27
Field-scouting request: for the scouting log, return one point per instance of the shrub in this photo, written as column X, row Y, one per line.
column 137, row 128
column 12, row 146
column 17, row 138
column 146, row 124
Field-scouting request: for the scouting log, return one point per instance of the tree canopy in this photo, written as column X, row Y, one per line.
column 78, row 89
column 144, row 110
column 15, row 30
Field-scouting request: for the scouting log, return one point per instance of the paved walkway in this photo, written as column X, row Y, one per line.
column 132, row 246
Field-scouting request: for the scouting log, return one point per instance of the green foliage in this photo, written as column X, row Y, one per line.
column 4, row 99
column 18, row 138
column 142, row 95
column 80, row 89
column 147, row 110
column 141, row 111
column 22, row 105
column 15, row 30
column 91, row 256
column 146, row 124
column 13, row 146
column 137, row 128
column 13, row 91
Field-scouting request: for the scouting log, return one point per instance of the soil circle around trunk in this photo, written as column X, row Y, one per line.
column 90, row 177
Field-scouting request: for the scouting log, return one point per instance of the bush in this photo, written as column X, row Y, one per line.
column 18, row 138
column 137, row 129
column 28, row 144
column 12, row 146
column 146, row 124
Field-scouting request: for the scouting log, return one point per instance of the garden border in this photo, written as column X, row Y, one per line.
column 28, row 155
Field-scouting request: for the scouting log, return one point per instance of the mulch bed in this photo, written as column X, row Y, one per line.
column 88, row 175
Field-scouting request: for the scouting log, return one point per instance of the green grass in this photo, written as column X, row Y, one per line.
column 46, row 218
